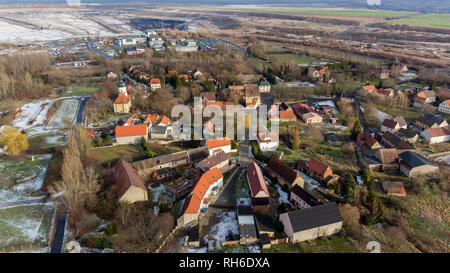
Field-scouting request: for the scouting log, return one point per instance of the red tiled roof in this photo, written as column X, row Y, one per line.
column 125, row 176
column 256, row 180
column 221, row 104
column 217, row 142
column 443, row 94
column 192, row 203
column 390, row 123
column 164, row 120
column 283, row 170
column 132, row 130
column 155, row 81
column 439, row 131
column 122, row 99
column 384, row 92
column 317, row 166
column 287, row 115
column 151, row 118
column 369, row 87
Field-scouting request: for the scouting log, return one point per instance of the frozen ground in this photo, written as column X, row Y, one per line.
column 228, row 222
column 49, row 26
column 284, row 197
column 32, row 114
column 66, row 113
column 310, row 183
column 25, row 225
column 22, row 192
column 443, row 159
column 382, row 116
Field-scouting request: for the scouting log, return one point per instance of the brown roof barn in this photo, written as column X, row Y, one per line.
column 129, row 186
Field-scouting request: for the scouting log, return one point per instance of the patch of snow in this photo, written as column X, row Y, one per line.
column 228, row 222
column 310, row 183
column 284, row 197
column 443, row 159
column 66, row 113
column 33, row 114
column 254, row 249
column 381, row 116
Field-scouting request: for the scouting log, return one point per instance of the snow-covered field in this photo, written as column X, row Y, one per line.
column 50, row 26
column 228, row 222
column 21, row 192
column 382, row 116
column 32, row 114
column 26, row 225
column 66, row 113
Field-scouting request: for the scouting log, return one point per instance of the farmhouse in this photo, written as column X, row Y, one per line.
column 388, row 158
column 284, row 116
column 318, row 170
column 258, row 189
column 131, row 134
column 391, row 141
column 444, row 106
column 366, row 141
column 412, row 164
column 302, row 199
column 218, row 144
column 284, row 174
column 429, row 121
column 443, row 94
column 155, row 84
column 436, row 135
column 368, row 89
column 219, row 160
column 306, row 113
column 408, row 135
column 147, row 166
column 208, row 184
column 268, row 141
column 129, row 186
column 252, row 95
column 310, row 223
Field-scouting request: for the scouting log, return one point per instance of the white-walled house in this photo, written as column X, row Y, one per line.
column 209, row 183
column 218, row 144
column 444, row 107
column 268, row 141
column 436, row 135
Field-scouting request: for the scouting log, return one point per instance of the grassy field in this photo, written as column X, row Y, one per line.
column 427, row 20
column 85, row 89
column 25, row 226
column 111, row 154
column 332, row 244
column 20, row 167
column 242, row 188
column 296, row 58
column 256, row 63
column 327, row 12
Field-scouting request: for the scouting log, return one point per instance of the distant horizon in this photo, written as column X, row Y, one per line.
column 429, row 6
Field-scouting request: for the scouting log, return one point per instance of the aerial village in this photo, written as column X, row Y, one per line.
column 336, row 152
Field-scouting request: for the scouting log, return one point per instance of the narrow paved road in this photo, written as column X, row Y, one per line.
column 80, row 118
column 227, row 198
column 58, row 237
column 361, row 115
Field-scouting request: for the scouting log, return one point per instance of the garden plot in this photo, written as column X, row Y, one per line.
column 66, row 113
column 24, row 226
column 13, row 170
